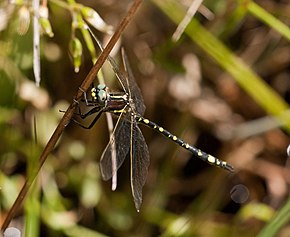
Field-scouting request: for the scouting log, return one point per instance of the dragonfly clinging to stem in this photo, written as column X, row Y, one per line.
column 127, row 137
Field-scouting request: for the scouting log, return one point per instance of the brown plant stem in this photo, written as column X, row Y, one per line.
column 69, row 113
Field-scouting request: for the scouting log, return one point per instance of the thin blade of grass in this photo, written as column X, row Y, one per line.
column 32, row 204
column 278, row 221
column 269, row 19
column 263, row 94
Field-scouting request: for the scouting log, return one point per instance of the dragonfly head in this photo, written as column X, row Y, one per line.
column 100, row 94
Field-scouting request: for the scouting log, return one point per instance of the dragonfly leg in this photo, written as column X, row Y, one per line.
column 84, row 115
column 99, row 113
column 88, row 102
column 85, row 97
column 96, row 109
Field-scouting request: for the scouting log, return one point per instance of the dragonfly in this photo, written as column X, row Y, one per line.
column 127, row 138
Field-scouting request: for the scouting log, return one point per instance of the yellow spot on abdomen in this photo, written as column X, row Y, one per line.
column 199, row 153
column 161, row 129
column 174, row 138
column 146, row 121
column 211, row 159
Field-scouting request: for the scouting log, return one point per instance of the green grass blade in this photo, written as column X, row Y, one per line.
column 32, row 211
column 269, row 19
column 278, row 221
column 32, row 203
column 263, row 94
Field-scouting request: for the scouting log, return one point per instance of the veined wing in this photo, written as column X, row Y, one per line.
column 139, row 156
column 119, row 144
column 127, row 82
column 119, row 75
column 134, row 90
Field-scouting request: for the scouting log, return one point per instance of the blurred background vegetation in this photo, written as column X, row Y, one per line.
column 223, row 86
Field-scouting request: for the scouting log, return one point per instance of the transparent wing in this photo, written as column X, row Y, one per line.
column 134, row 90
column 119, row 145
column 120, row 76
column 139, row 156
column 127, row 82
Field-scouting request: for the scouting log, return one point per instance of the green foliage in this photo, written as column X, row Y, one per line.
column 192, row 87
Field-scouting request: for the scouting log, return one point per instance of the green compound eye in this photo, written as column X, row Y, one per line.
column 102, row 95
column 101, row 87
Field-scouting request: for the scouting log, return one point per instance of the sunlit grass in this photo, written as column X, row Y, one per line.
column 69, row 198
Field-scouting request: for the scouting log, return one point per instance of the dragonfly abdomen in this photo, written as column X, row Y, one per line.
column 197, row 152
